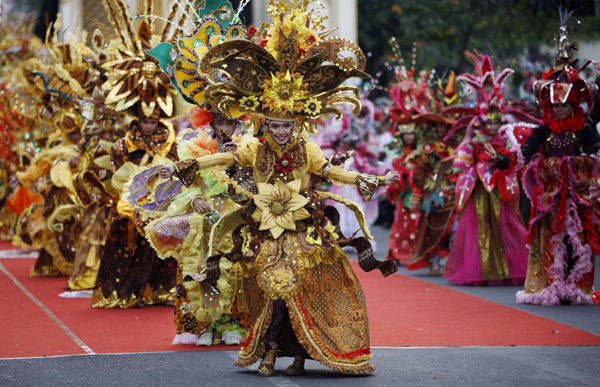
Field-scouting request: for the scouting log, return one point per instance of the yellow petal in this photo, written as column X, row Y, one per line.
column 267, row 220
column 263, row 201
column 265, row 189
column 295, row 185
column 276, row 231
column 301, row 214
column 281, row 191
column 286, row 221
column 297, row 202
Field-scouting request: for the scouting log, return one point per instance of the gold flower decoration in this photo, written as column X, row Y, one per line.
column 279, row 206
column 283, row 93
column 249, row 103
column 312, row 106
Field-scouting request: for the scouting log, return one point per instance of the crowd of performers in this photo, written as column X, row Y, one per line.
column 227, row 170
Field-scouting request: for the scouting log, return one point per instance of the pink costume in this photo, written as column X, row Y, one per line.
column 489, row 247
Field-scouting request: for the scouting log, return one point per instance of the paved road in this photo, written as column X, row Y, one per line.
column 489, row 367
column 586, row 318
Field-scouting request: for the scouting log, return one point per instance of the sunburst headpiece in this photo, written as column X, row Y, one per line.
column 137, row 85
column 290, row 70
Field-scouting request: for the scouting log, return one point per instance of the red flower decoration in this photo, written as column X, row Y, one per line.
column 301, row 51
column 251, row 30
column 263, row 43
column 284, row 164
column 312, row 39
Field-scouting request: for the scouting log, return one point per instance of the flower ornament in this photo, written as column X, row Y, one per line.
column 313, row 106
column 284, row 163
column 279, row 207
column 283, row 93
column 250, row 103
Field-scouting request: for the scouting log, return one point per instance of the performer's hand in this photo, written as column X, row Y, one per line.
column 13, row 183
column 166, row 171
column 490, row 151
column 391, row 177
column 200, row 206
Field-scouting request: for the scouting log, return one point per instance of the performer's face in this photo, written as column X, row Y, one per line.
column 224, row 126
column 148, row 126
column 281, row 131
column 493, row 126
column 408, row 138
column 562, row 110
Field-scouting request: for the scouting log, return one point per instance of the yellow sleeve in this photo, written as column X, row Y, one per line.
column 245, row 155
column 247, row 150
column 216, row 160
column 339, row 176
column 336, row 174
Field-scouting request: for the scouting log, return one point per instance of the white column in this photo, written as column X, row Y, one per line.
column 72, row 17
column 344, row 15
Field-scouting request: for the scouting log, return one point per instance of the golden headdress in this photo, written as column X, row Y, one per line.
column 137, row 85
column 287, row 71
column 62, row 75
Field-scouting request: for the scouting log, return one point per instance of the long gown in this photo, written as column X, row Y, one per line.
column 489, row 246
column 130, row 272
column 182, row 233
column 562, row 234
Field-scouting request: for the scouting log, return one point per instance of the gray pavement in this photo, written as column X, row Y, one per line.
column 465, row 367
column 585, row 317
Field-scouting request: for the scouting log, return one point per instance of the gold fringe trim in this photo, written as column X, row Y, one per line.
column 85, row 281
column 319, row 255
column 158, row 296
column 113, row 301
column 45, row 271
column 149, row 297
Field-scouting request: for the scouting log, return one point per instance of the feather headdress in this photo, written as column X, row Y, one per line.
column 180, row 60
column 490, row 99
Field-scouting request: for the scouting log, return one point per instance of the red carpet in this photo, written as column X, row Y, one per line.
column 403, row 312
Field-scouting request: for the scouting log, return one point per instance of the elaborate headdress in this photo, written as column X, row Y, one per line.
column 65, row 74
column 561, row 83
column 411, row 92
column 490, row 99
column 289, row 71
column 137, row 85
column 215, row 23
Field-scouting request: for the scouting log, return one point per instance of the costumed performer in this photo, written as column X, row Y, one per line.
column 302, row 293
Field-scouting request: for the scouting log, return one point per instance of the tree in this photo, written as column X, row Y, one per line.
column 445, row 29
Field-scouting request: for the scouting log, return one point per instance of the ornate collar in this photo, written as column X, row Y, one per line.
column 572, row 124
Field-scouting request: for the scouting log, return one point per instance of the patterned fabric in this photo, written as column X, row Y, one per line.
column 185, row 321
column 130, row 272
column 328, row 315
